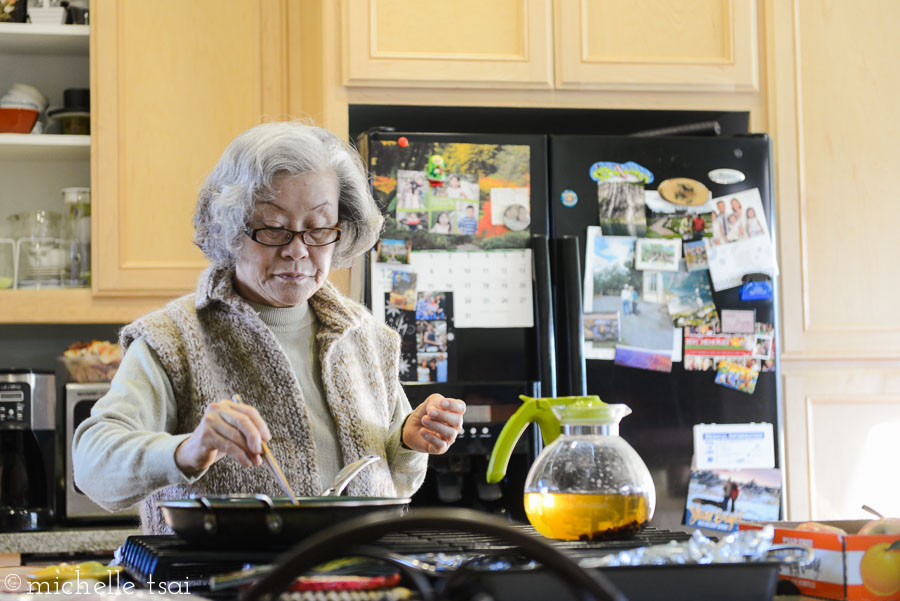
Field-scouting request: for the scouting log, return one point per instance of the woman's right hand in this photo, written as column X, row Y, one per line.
column 227, row 428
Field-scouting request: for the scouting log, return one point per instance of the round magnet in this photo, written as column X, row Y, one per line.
column 402, row 141
column 516, row 217
column 569, row 198
column 683, row 191
column 726, row 176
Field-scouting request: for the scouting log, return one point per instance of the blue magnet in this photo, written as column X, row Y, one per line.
column 757, row 286
column 568, row 198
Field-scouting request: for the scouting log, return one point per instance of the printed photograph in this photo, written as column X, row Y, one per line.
column 612, row 286
column 442, row 222
column 460, row 187
column 411, row 190
column 393, row 251
column 689, row 298
column 601, row 327
column 684, row 226
column 403, row 290
column 737, row 377
column 722, row 499
column 628, row 356
column 431, row 336
column 657, row 254
column 404, row 323
column 695, row 256
column 412, row 206
column 412, row 221
column 431, row 306
column 431, row 367
column 740, row 242
column 467, row 216
column 622, row 208
column 510, row 204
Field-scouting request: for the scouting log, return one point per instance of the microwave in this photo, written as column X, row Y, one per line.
column 79, row 399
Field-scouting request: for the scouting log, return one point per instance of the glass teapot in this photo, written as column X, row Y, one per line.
column 588, row 482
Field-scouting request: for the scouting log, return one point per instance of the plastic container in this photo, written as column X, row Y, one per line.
column 94, row 362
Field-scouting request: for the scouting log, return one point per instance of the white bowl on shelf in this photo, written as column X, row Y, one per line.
column 54, row 15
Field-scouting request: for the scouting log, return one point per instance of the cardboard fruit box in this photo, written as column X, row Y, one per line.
column 853, row 567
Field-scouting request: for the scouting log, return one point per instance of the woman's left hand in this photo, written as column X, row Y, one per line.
column 434, row 425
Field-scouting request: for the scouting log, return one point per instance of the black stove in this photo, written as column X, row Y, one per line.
column 168, row 559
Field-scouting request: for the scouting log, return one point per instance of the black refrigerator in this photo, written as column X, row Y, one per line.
column 492, row 365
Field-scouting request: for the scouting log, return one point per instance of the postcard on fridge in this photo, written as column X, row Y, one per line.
column 740, row 242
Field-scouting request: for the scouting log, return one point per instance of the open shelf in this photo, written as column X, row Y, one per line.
column 72, row 305
column 44, row 146
column 28, row 38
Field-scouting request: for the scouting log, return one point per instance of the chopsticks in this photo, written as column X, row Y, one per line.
column 271, row 463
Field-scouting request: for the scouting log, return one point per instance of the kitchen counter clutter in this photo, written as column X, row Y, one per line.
column 67, row 540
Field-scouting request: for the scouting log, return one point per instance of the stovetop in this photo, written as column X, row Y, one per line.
column 169, row 559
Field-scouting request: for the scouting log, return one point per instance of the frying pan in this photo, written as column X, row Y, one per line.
column 262, row 521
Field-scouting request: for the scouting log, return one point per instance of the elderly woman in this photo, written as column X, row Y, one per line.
column 317, row 374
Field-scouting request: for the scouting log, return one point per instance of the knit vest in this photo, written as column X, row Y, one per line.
column 212, row 344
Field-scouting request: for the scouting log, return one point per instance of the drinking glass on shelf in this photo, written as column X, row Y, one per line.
column 7, row 263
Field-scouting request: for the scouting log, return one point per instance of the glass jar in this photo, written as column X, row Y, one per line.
column 77, row 234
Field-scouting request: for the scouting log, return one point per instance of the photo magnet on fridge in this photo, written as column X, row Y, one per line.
column 403, row 290
column 393, row 251
column 435, row 338
column 738, row 321
column 732, row 375
column 722, row 499
column 657, row 254
column 403, row 322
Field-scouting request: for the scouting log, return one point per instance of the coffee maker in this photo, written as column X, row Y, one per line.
column 458, row 477
column 27, row 449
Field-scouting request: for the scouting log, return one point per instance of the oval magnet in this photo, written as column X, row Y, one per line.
column 726, row 176
column 683, row 191
column 568, row 198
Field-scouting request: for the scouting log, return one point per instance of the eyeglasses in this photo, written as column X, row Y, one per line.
column 278, row 236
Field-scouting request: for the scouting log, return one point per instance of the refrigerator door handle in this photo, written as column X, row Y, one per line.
column 544, row 314
column 568, row 264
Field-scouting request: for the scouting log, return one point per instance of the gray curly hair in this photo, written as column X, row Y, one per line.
column 246, row 173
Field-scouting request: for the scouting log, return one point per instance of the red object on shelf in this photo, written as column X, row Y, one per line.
column 402, row 141
column 16, row 120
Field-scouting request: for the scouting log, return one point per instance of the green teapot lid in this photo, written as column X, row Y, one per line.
column 591, row 410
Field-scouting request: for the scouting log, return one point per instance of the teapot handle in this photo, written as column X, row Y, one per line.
column 533, row 410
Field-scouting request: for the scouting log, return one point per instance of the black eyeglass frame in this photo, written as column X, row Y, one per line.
column 252, row 233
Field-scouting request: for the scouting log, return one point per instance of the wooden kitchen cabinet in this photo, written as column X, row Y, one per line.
column 689, row 45
column 434, row 43
column 172, row 83
column 650, row 45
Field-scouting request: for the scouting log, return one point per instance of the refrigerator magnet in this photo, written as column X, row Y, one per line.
column 725, row 176
column 630, row 172
column 684, row 192
column 568, row 198
column 393, row 251
column 657, row 254
column 695, row 256
column 738, row 321
column 737, row 377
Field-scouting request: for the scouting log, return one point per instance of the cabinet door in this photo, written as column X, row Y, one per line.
column 689, row 45
column 841, row 441
column 435, row 43
column 172, row 83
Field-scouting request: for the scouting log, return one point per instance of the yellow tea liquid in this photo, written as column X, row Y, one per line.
column 583, row 516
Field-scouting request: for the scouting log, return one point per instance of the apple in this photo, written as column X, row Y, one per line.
column 881, row 526
column 818, row 527
column 880, row 568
